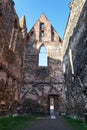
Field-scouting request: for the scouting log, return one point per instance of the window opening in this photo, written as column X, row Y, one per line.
column 15, row 24
column 52, row 36
column 43, row 59
column 42, row 34
column 60, row 39
column 41, row 25
column 32, row 33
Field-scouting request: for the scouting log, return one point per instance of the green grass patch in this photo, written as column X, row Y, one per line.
column 16, row 123
column 77, row 124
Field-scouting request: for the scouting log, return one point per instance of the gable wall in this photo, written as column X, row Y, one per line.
column 39, row 82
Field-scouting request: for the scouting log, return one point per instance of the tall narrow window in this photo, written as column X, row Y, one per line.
column 32, row 33
column 43, row 61
column 0, row 8
column 52, row 33
column 15, row 24
column 52, row 36
column 41, row 31
column 41, row 25
column 42, row 34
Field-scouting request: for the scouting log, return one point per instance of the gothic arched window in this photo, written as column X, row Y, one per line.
column 43, row 59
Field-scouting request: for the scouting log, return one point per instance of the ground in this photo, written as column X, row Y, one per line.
column 50, row 124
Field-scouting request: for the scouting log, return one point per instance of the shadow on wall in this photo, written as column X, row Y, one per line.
column 46, row 80
column 78, row 44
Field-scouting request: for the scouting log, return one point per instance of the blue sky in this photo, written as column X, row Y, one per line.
column 57, row 11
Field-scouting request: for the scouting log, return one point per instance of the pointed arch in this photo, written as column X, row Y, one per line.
column 43, row 58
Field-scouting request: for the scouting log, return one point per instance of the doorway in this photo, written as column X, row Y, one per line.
column 53, row 104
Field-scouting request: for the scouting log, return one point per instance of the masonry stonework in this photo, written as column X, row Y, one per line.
column 75, row 44
column 11, row 56
column 42, row 82
column 28, row 87
column 25, row 86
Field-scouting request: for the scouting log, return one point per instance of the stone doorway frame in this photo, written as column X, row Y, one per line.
column 55, row 106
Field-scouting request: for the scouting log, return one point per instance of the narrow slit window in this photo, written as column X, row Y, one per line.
column 42, row 34
column 15, row 24
column 41, row 25
column 52, row 36
column 43, row 59
column 32, row 33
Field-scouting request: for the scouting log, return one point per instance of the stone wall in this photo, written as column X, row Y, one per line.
column 76, row 7
column 40, row 82
column 75, row 44
column 9, row 90
column 26, row 86
column 11, row 56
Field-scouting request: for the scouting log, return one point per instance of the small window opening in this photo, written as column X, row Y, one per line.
column 43, row 59
column 32, row 33
column 60, row 40
column 15, row 24
column 52, row 36
column 41, row 25
column 42, row 34
column 13, row 3
column 1, row 8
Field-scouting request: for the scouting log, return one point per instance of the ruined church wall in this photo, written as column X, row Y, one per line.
column 12, row 42
column 11, row 57
column 9, row 92
column 41, row 81
column 76, row 72
column 38, row 81
column 76, row 7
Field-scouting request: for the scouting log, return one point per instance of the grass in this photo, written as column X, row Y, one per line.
column 16, row 123
column 77, row 124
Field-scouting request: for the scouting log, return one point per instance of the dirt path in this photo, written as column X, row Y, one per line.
column 50, row 124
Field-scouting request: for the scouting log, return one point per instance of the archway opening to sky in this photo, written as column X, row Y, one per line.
column 43, row 58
